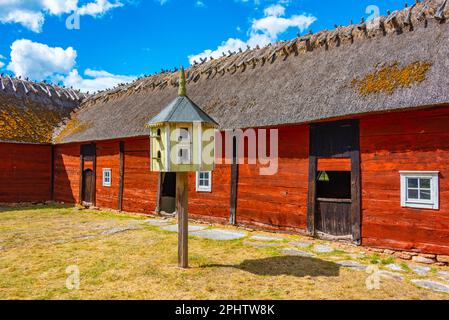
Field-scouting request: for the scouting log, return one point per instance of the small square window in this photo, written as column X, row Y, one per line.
column 419, row 189
column 107, row 177
column 204, row 181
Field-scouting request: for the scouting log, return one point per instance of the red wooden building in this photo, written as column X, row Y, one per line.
column 362, row 116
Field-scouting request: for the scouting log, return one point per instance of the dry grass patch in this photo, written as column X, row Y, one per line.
column 38, row 243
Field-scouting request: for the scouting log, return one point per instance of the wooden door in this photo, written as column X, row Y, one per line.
column 88, row 185
column 334, row 191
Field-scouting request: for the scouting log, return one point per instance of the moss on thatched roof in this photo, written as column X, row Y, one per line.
column 29, row 112
column 394, row 62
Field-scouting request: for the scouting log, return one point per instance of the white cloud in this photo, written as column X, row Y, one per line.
column 262, row 32
column 94, row 80
column 275, row 10
column 39, row 61
column 200, row 4
column 31, row 13
column 98, row 7
column 2, row 64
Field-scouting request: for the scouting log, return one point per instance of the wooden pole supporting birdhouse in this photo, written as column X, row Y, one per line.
column 179, row 137
column 183, row 218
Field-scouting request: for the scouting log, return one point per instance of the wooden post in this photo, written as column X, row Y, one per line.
column 121, row 175
column 81, row 179
column 183, row 218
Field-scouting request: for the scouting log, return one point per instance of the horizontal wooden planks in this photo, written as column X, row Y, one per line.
column 139, row 182
column 280, row 200
column 213, row 204
column 108, row 157
column 415, row 141
column 25, row 173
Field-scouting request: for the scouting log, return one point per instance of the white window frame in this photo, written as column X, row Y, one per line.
column 106, row 183
column 433, row 203
column 203, row 188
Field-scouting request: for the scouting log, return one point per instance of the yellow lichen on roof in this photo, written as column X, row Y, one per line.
column 390, row 78
column 33, row 125
column 71, row 128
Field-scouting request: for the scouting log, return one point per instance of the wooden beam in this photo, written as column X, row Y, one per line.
column 121, row 175
column 356, row 200
column 159, row 193
column 234, row 183
column 183, row 218
column 234, row 186
column 80, row 201
column 94, row 193
column 52, row 174
column 311, row 202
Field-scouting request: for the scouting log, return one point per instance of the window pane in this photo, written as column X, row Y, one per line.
column 424, row 183
column 412, row 182
column 412, row 194
column 425, row 194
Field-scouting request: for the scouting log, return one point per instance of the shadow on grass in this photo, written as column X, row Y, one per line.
column 286, row 265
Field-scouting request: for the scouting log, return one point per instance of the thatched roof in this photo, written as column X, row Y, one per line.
column 395, row 62
column 29, row 112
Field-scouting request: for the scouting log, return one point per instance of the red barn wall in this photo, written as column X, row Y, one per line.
column 215, row 205
column 140, row 184
column 277, row 201
column 25, row 172
column 415, row 141
column 67, row 169
column 108, row 157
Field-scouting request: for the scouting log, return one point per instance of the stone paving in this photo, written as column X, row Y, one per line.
column 174, row 228
column 350, row 259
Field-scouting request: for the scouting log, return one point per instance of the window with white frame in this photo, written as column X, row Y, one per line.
column 204, row 181
column 107, row 177
column 419, row 189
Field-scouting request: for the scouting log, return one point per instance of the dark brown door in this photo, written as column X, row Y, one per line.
column 334, row 192
column 88, row 186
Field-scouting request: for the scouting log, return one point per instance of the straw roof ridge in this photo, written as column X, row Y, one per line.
column 30, row 111
column 394, row 62
column 397, row 22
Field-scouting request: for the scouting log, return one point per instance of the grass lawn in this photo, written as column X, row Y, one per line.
column 38, row 243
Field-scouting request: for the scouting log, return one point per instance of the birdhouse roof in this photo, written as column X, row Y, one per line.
column 182, row 109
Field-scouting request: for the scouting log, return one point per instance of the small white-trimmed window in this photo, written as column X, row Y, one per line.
column 107, row 177
column 204, row 181
column 419, row 189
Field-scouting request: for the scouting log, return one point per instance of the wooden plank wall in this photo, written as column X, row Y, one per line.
column 139, row 183
column 404, row 141
column 278, row 201
column 66, row 172
column 25, row 172
column 213, row 205
column 108, row 158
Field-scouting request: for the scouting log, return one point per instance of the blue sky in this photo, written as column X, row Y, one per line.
column 118, row 40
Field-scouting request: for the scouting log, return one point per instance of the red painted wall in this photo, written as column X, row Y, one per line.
column 215, row 205
column 67, row 170
column 277, row 201
column 415, row 141
column 108, row 157
column 25, row 173
column 140, row 184
column 389, row 143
